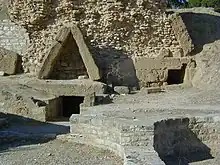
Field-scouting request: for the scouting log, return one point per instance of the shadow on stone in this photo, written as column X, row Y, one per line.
column 202, row 28
column 22, row 131
column 118, row 68
column 176, row 144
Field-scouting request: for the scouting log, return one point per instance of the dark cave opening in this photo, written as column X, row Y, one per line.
column 176, row 76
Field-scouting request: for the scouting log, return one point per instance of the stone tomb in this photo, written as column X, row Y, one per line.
column 69, row 58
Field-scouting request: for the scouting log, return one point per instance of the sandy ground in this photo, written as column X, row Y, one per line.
column 58, row 153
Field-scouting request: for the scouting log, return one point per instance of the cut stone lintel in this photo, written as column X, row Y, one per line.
column 56, row 50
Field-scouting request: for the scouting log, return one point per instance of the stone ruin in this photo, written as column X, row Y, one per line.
column 73, row 53
column 140, row 46
column 118, row 41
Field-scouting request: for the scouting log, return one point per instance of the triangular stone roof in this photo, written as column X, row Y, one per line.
column 56, row 50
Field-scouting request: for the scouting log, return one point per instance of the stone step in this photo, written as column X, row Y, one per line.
column 111, row 129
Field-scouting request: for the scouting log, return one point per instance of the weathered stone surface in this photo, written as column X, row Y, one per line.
column 189, row 75
column 10, row 62
column 69, row 87
column 164, row 53
column 121, row 90
column 178, row 53
column 143, row 34
column 181, row 32
column 80, row 49
column 2, row 73
column 82, row 77
column 63, row 35
column 89, row 100
column 34, row 98
column 150, row 71
column 48, row 64
column 153, row 90
column 91, row 67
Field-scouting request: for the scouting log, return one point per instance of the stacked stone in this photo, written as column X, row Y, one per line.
column 133, row 27
column 30, row 13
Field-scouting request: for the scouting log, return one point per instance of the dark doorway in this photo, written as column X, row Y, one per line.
column 176, row 76
column 61, row 108
column 71, row 105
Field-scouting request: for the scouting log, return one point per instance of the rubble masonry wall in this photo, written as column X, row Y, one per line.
column 115, row 30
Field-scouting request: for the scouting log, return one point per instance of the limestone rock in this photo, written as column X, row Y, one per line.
column 165, row 53
column 121, row 90
column 89, row 100
column 83, row 77
column 10, row 62
column 182, row 34
column 178, row 53
column 2, row 73
column 152, row 90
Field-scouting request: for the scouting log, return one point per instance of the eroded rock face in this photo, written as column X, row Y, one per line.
column 207, row 73
column 182, row 34
column 10, row 62
column 139, row 29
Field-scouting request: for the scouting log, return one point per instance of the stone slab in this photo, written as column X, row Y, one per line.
column 181, row 32
column 10, row 62
column 92, row 69
column 63, row 35
column 48, row 64
column 121, row 90
column 68, row 87
column 153, row 90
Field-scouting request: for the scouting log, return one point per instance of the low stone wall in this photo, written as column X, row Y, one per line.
column 119, row 133
column 170, row 140
column 132, row 142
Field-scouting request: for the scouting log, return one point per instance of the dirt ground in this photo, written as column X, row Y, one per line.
column 57, row 152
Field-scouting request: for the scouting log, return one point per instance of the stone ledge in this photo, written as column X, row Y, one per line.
column 120, row 137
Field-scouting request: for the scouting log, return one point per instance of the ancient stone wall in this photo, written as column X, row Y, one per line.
column 115, row 30
column 13, row 37
column 186, row 136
